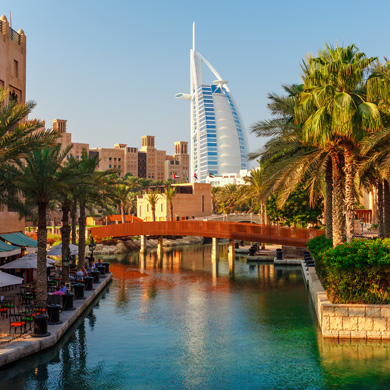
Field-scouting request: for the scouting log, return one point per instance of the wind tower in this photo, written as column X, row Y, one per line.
column 218, row 139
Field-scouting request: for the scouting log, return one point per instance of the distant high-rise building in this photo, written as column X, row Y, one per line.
column 218, row 139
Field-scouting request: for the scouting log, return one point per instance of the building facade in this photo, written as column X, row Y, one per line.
column 192, row 200
column 218, row 139
column 148, row 162
column 229, row 178
column 12, row 77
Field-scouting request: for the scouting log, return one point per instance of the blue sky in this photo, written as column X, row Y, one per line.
column 112, row 68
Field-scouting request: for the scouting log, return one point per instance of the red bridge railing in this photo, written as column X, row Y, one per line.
column 229, row 230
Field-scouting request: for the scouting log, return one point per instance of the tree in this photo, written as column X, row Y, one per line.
column 296, row 210
column 19, row 136
column 335, row 113
column 256, row 182
column 169, row 194
column 39, row 177
column 152, row 198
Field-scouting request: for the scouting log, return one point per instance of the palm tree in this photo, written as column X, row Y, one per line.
column 39, row 178
column 18, row 136
column 256, row 183
column 122, row 196
column 83, row 194
column 152, row 198
column 169, row 194
column 335, row 113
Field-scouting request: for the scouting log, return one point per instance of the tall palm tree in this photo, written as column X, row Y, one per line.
column 169, row 194
column 256, row 182
column 334, row 112
column 152, row 198
column 18, row 136
column 39, row 178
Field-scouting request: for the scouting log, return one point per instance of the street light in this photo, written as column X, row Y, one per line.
column 92, row 247
column 65, row 261
column 362, row 223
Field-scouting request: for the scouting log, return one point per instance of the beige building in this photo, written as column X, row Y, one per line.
column 191, row 200
column 12, row 77
column 179, row 164
column 155, row 159
column 148, row 162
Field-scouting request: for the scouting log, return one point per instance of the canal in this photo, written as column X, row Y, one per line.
column 184, row 323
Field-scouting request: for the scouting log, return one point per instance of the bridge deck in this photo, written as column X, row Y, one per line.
column 229, row 230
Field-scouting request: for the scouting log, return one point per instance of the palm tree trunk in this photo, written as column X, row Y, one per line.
column 338, row 219
column 82, row 225
column 123, row 212
column 386, row 208
column 65, row 236
column 42, row 253
column 350, row 172
column 381, row 230
column 153, row 213
column 262, row 211
column 171, row 204
column 74, row 222
column 328, row 201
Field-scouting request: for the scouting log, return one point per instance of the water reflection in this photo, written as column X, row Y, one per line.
column 181, row 321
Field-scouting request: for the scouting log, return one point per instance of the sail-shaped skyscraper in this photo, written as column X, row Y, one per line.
column 218, row 138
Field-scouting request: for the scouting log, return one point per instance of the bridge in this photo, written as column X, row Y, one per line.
column 281, row 235
column 240, row 217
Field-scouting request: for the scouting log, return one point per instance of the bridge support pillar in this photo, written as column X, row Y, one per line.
column 214, row 250
column 143, row 244
column 160, row 246
column 231, row 256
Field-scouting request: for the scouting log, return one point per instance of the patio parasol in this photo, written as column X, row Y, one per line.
column 57, row 250
column 9, row 280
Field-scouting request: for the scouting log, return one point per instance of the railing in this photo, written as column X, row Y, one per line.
column 1, row 27
column 229, row 230
column 14, row 36
column 365, row 214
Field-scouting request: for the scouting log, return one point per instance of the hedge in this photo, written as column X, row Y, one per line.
column 357, row 272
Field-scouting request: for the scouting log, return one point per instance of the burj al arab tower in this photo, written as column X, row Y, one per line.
column 218, row 139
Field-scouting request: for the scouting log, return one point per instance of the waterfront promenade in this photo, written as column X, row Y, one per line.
column 27, row 345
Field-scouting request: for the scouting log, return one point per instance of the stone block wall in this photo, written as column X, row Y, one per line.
column 348, row 321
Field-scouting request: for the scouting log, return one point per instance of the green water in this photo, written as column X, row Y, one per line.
column 185, row 323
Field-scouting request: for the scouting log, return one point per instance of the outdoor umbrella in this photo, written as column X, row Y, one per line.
column 25, row 262
column 9, row 280
column 57, row 250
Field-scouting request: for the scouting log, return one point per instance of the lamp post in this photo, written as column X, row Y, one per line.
column 65, row 268
column 92, row 247
column 362, row 224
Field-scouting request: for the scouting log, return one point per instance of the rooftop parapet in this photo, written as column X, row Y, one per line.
column 18, row 37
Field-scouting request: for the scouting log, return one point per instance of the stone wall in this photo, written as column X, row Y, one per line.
column 350, row 321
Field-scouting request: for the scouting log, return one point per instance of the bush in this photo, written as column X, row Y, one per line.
column 316, row 247
column 358, row 272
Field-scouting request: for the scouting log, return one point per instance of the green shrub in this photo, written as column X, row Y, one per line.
column 316, row 247
column 358, row 272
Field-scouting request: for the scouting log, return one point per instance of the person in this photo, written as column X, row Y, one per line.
column 85, row 273
column 59, row 292
column 79, row 275
column 63, row 288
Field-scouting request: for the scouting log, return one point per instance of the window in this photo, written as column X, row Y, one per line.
column 109, row 166
column 109, row 159
column 119, row 166
column 119, row 159
column 16, row 68
column 147, row 208
column 161, row 207
column 140, row 211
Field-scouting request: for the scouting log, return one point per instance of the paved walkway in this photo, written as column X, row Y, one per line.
column 20, row 347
